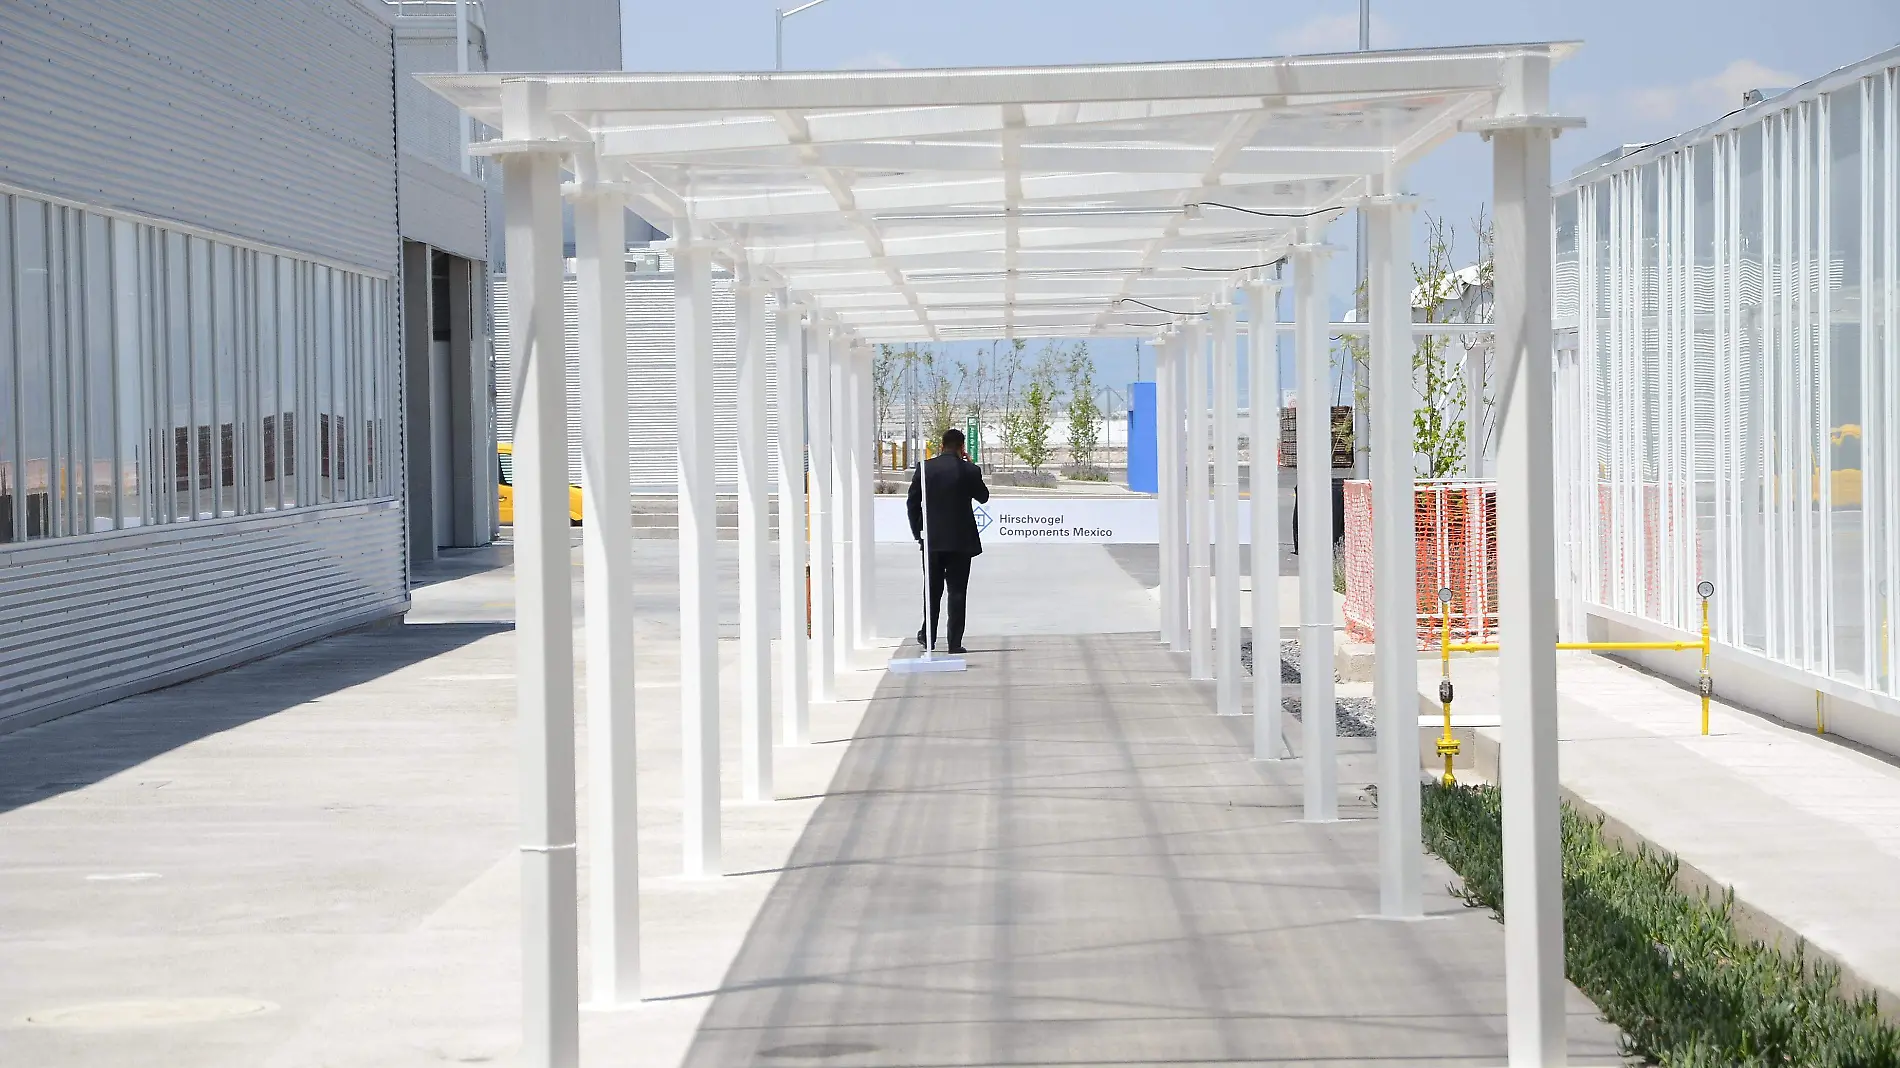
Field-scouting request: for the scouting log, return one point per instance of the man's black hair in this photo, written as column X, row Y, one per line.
column 953, row 438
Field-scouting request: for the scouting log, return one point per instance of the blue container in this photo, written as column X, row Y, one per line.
column 1144, row 467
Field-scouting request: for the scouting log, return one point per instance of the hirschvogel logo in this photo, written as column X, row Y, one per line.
column 982, row 519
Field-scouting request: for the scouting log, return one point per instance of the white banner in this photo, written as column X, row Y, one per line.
column 1042, row 520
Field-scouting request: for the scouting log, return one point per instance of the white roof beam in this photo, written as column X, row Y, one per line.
column 800, row 134
column 1421, row 71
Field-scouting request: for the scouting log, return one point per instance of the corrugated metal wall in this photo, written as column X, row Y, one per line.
column 651, row 396
column 91, row 619
column 267, row 121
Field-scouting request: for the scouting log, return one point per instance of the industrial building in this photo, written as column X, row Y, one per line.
column 1727, row 397
column 245, row 375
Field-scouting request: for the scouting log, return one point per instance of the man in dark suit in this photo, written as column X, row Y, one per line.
column 955, row 486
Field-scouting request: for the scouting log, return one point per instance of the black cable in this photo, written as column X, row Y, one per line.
column 1236, row 270
column 1271, row 214
column 1151, row 307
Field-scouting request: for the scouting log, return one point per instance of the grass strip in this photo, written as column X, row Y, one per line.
column 1667, row 968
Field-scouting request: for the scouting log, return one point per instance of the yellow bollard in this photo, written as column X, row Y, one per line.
column 1703, row 683
column 1447, row 745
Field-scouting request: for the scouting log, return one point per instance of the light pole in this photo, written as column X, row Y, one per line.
column 1360, row 371
column 781, row 15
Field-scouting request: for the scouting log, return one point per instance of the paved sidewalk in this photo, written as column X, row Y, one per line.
column 311, row 860
column 1062, row 858
column 1805, row 829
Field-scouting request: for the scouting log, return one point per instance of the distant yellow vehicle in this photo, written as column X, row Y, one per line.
column 1843, row 467
column 505, row 475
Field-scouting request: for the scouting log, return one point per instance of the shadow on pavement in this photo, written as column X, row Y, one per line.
column 76, row 751
column 452, row 564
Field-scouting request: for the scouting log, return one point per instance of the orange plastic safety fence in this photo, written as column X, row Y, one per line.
column 1455, row 526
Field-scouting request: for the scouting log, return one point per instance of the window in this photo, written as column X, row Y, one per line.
column 150, row 376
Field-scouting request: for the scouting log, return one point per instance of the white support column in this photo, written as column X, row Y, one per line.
column 1178, row 435
column 1527, row 567
column 824, row 656
column 699, row 632
column 844, row 499
column 1226, row 512
column 1394, row 554
column 865, row 454
column 1472, row 369
column 1200, row 537
column 1166, row 491
column 794, row 664
column 544, row 606
column 1319, row 756
column 607, row 555
column 1263, row 494
column 755, row 562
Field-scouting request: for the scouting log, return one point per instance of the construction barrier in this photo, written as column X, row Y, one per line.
column 1455, row 525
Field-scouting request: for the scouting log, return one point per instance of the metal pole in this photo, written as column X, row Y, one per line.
column 1263, row 493
column 607, row 558
column 1395, row 552
column 867, row 497
column 544, row 607
column 462, row 121
column 778, row 49
column 1226, row 514
column 844, row 499
column 1361, row 374
column 1200, row 564
column 1321, row 771
column 794, row 681
column 755, row 565
column 699, row 618
column 1527, row 566
column 1166, row 491
column 824, row 662
column 1178, row 430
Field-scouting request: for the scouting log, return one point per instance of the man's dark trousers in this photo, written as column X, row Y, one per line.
column 949, row 570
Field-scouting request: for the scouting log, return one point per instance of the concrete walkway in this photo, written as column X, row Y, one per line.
column 1805, row 829
column 1058, row 858
column 1062, row 858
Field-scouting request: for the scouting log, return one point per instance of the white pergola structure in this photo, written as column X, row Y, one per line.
column 940, row 205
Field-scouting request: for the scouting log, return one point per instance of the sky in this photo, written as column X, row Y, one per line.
column 1648, row 69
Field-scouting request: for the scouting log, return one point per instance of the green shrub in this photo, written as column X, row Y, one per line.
column 1665, row 967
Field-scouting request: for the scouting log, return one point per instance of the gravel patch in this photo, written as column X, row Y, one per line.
column 1353, row 716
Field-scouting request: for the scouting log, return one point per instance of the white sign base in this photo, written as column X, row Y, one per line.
column 917, row 665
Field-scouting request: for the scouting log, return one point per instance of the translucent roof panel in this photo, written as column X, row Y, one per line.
column 1012, row 202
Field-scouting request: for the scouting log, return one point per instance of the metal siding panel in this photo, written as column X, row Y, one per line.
column 442, row 209
column 97, row 616
column 272, row 122
column 653, row 431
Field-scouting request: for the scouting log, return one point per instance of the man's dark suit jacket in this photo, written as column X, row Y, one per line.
column 955, row 485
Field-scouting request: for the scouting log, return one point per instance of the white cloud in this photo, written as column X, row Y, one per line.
column 1331, row 32
column 872, row 61
column 1704, row 99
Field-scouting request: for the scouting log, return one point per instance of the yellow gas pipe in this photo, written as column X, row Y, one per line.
column 1447, row 745
column 1704, row 684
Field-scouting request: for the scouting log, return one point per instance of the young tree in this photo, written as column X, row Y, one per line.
column 1085, row 416
column 887, row 380
column 1438, row 425
column 939, row 401
column 1026, row 426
